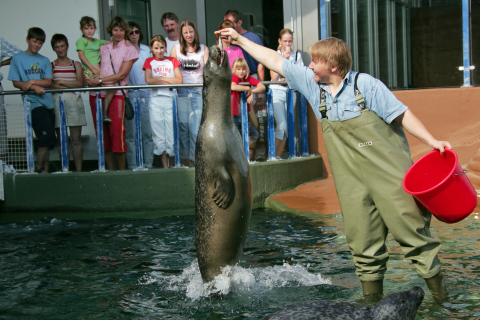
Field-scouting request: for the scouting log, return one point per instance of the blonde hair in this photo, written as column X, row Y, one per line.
column 240, row 63
column 282, row 32
column 334, row 52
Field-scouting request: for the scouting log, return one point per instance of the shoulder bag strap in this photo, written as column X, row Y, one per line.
column 113, row 68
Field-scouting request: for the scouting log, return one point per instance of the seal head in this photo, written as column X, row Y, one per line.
column 398, row 306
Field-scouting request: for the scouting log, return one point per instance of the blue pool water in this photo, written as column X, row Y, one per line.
column 146, row 269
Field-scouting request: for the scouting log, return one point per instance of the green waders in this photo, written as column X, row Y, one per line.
column 369, row 159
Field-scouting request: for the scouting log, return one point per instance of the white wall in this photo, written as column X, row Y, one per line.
column 53, row 16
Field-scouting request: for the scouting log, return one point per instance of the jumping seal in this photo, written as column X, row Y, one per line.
column 397, row 306
column 223, row 186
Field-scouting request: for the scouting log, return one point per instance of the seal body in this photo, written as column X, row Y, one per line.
column 397, row 306
column 223, row 186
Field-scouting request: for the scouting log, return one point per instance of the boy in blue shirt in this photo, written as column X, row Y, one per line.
column 363, row 127
column 30, row 71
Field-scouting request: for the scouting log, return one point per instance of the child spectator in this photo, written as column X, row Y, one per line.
column 88, row 49
column 241, row 74
column 31, row 71
column 160, row 69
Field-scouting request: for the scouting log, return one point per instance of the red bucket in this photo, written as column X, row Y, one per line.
column 442, row 186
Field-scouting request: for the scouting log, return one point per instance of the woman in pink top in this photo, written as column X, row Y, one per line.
column 233, row 52
column 123, row 58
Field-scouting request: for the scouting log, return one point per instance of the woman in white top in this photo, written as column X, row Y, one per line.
column 279, row 93
column 192, row 55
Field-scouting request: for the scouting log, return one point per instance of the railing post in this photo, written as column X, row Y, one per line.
column 100, row 142
column 63, row 133
column 304, row 124
column 176, row 130
column 137, row 123
column 28, row 136
column 270, row 127
column 290, row 124
column 244, row 118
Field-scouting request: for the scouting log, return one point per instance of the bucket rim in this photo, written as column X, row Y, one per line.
column 438, row 184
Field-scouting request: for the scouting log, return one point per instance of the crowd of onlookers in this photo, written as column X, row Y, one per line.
column 178, row 58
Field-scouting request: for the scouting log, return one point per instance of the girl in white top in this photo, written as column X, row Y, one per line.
column 279, row 93
column 162, row 70
column 192, row 55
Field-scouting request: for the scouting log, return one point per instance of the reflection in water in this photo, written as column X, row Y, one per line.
column 141, row 269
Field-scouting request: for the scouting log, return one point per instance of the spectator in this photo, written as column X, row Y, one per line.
column 233, row 52
column 279, row 93
column 30, row 70
column 137, row 77
column 7, row 50
column 170, row 25
column 240, row 74
column 68, row 74
column 193, row 56
column 122, row 57
column 256, row 69
column 162, row 70
column 88, row 52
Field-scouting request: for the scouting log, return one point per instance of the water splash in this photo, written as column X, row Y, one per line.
column 236, row 279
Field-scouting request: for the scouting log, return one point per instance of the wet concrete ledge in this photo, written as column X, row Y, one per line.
column 128, row 193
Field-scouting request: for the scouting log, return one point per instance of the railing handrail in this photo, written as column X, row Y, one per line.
column 88, row 89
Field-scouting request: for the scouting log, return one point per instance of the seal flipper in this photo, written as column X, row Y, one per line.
column 222, row 188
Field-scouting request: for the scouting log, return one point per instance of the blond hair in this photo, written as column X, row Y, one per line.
column 282, row 32
column 240, row 63
column 334, row 52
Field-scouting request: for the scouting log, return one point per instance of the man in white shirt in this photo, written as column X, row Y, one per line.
column 170, row 25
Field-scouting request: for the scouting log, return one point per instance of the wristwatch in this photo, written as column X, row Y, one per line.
column 100, row 80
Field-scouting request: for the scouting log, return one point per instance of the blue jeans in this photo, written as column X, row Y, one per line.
column 190, row 105
column 147, row 141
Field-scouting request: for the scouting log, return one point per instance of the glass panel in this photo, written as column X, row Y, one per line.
column 437, row 50
column 411, row 50
column 138, row 11
column 475, row 41
column 338, row 19
column 400, row 45
column 365, row 38
column 383, row 40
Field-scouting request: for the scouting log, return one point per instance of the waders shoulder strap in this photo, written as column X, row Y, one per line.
column 358, row 96
column 323, row 104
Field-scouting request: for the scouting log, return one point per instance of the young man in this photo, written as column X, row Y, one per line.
column 31, row 71
column 170, row 25
column 369, row 156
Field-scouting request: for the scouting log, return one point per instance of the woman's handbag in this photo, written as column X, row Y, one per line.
column 129, row 113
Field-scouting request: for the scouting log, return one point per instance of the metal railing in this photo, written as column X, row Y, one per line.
column 302, row 120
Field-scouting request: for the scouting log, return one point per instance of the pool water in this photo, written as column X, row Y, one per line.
column 146, row 269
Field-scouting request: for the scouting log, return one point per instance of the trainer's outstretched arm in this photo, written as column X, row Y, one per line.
column 268, row 57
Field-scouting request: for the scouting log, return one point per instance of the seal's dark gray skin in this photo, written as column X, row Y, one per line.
column 223, row 186
column 397, row 306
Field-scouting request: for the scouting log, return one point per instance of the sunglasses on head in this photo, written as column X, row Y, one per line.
column 135, row 31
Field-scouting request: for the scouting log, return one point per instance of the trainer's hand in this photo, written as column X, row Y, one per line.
column 231, row 33
column 440, row 145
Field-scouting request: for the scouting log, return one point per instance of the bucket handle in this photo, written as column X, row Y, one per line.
column 464, row 171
